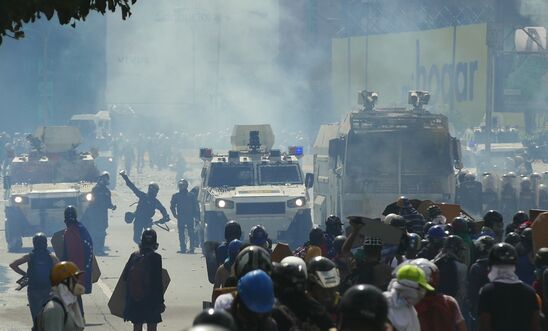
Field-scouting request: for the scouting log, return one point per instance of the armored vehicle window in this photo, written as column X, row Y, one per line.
column 232, row 175
column 279, row 174
column 58, row 171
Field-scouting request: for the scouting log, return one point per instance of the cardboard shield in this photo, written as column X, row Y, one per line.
column 209, row 251
column 57, row 241
column 281, row 251
column 375, row 228
column 540, row 231
column 450, row 211
column 117, row 302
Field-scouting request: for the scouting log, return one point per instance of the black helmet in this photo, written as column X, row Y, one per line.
column 427, row 226
column 153, row 188
column 492, row 217
column 520, row 217
column 484, row 244
column 40, row 241
column 252, row 258
column 433, row 211
column 414, row 241
column 459, row 225
column 233, row 230
column 364, row 303
column 316, row 236
column 338, row 243
column 182, row 182
column 527, row 236
column 149, row 239
column 333, row 225
column 512, row 238
column 453, row 243
column 541, row 257
column 289, row 277
column 258, row 235
column 71, row 214
column 503, row 254
column 323, row 272
column 215, row 317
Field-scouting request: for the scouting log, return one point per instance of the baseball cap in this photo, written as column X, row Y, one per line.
column 415, row 274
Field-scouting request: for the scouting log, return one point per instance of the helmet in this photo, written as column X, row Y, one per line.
column 512, row 238
column 527, row 236
column 149, row 239
column 290, row 277
column 40, row 241
column 71, row 214
column 520, row 217
column 433, row 211
column 182, row 182
column 437, row 232
column 430, row 269
column 414, row 241
column 233, row 231
column 323, row 272
column 233, row 249
column 525, row 183
column 503, row 254
column 215, row 317
column 294, row 260
column 153, row 188
column 364, row 303
column 372, row 242
column 338, row 243
column 256, row 291
column 104, row 175
column 63, row 271
column 484, row 244
column 492, row 217
column 453, row 243
column 541, row 257
column 316, row 236
column 397, row 222
column 252, row 258
column 258, row 235
column 333, row 225
column 459, row 225
column 427, row 227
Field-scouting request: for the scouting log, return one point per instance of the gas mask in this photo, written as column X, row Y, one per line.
column 76, row 288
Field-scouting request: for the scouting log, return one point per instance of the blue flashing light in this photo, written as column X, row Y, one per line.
column 296, row 150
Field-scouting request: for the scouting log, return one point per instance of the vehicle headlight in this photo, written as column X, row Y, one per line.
column 110, row 159
column 296, row 203
column 224, row 204
column 18, row 199
column 89, row 197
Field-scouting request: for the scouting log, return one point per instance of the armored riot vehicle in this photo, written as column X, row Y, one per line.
column 375, row 155
column 255, row 184
column 39, row 185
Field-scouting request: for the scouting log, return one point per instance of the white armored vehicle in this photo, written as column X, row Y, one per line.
column 39, row 185
column 255, row 184
column 374, row 155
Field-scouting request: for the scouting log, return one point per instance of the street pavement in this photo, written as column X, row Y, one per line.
column 188, row 288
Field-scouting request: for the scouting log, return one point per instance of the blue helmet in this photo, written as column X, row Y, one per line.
column 436, row 232
column 256, row 291
column 258, row 235
column 233, row 250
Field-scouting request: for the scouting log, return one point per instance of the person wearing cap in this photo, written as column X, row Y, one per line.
column 254, row 302
column 405, row 292
column 62, row 312
column 437, row 311
column 506, row 303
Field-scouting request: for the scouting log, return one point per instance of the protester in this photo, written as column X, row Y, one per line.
column 232, row 231
column 363, row 308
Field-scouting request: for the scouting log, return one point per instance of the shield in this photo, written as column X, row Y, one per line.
column 117, row 302
column 210, row 249
column 57, row 241
column 540, row 231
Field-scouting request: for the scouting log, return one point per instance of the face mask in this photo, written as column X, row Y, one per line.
column 78, row 289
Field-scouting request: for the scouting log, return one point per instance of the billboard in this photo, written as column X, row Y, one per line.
column 450, row 62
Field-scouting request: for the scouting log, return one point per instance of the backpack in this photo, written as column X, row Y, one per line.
column 40, row 265
column 138, row 280
column 38, row 323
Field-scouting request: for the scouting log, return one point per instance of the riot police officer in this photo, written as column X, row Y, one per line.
column 470, row 194
column 96, row 216
column 183, row 208
column 146, row 207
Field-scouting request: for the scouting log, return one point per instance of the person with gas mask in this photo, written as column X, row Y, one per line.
column 61, row 312
column 404, row 293
column 96, row 216
column 78, row 249
column 146, row 207
column 183, row 208
column 39, row 265
column 145, row 291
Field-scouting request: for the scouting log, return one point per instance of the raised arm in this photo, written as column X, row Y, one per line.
column 132, row 186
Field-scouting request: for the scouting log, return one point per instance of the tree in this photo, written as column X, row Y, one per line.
column 15, row 13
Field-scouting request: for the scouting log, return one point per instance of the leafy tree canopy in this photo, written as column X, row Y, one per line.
column 15, row 13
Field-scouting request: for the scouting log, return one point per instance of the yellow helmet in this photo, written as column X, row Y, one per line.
column 62, row 271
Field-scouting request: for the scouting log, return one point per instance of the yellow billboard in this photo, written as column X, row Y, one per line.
column 451, row 63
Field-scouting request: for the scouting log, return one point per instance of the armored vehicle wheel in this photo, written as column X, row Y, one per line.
column 13, row 235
